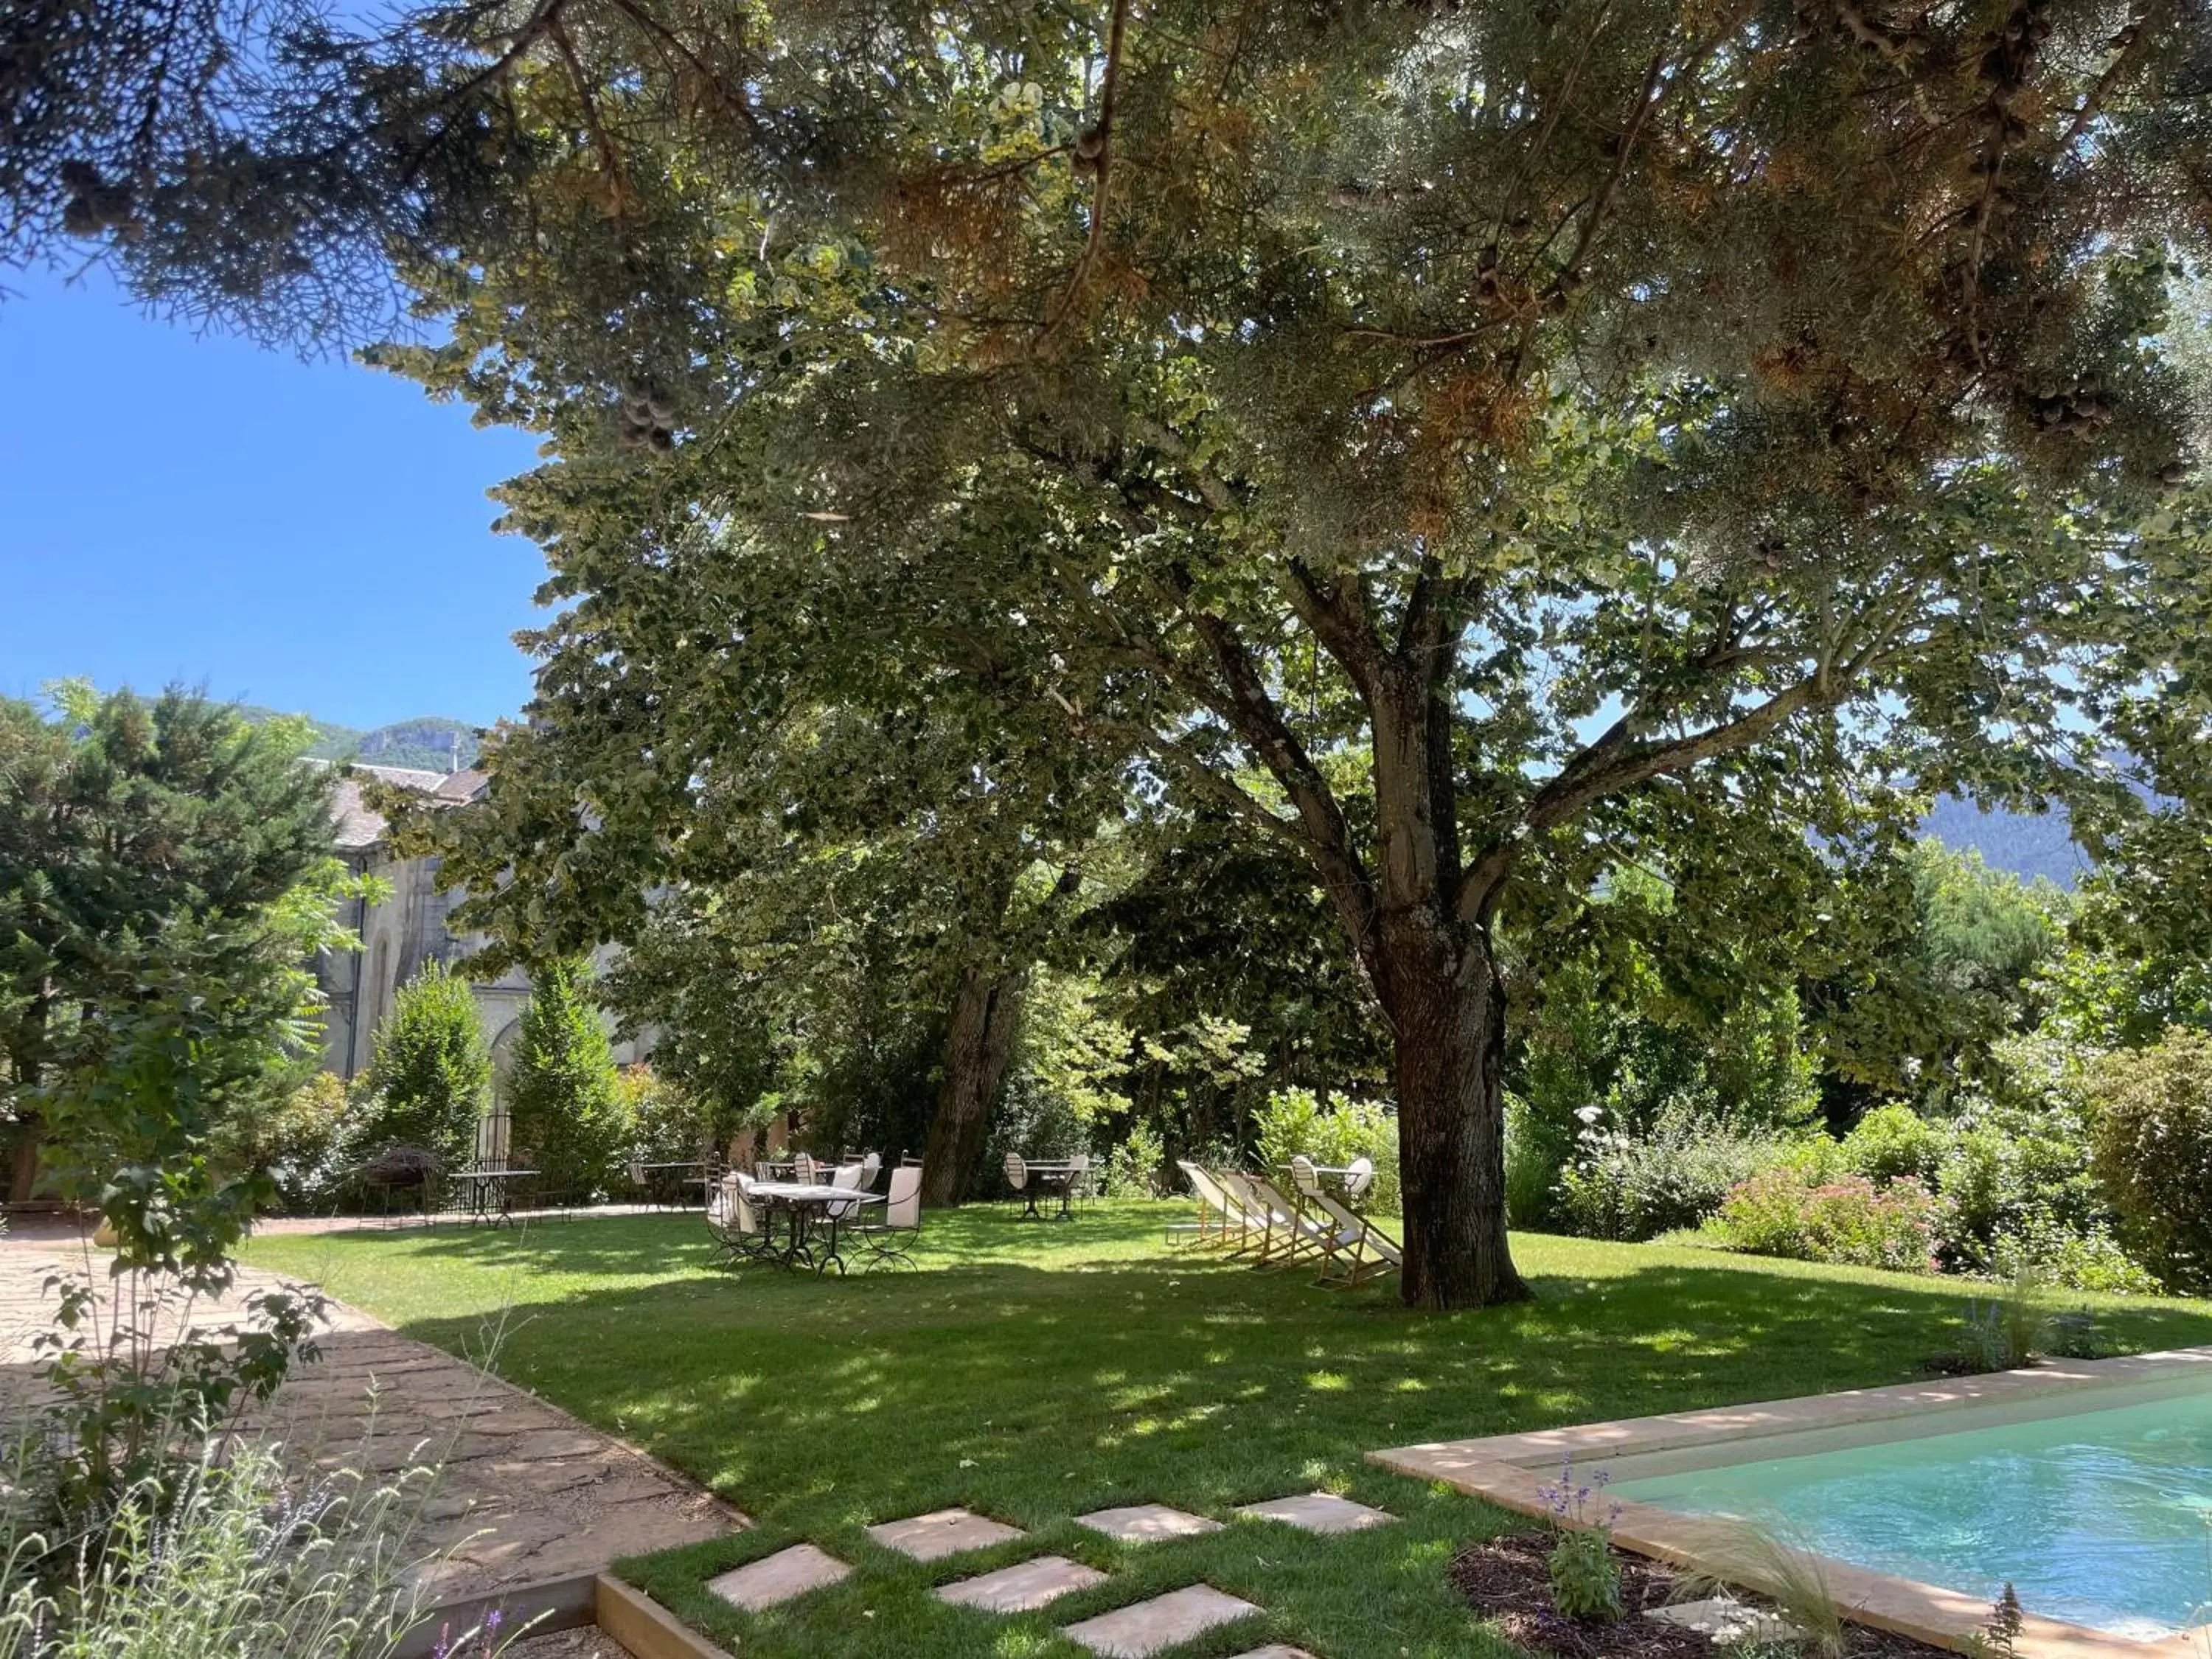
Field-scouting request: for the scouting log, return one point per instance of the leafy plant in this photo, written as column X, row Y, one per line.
column 2007, row 1332
column 1745, row 1554
column 1633, row 1187
column 565, row 1110
column 1584, row 1571
column 1849, row 1220
column 2151, row 1129
column 431, row 1077
column 231, row 1559
column 1295, row 1122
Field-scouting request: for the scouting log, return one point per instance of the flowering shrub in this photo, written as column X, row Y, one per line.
column 1848, row 1219
column 1623, row 1188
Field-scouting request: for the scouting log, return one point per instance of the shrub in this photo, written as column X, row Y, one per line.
column 1294, row 1121
column 563, row 1104
column 1848, row 1220
column 298, row 1143
column 432, row 1074
column 658, row 1120
column 1133, row 1168
column 229, row 1561
column 1632, row 1188
column 2151, row 1129
column 1894, row 1142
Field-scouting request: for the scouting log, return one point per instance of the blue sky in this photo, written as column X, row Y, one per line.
column 312, row 536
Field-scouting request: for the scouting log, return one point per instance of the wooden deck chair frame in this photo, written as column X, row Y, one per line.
column 1248, row 1223
column 1293, row 1234
column 1369, row 1254
column 1212, row 1227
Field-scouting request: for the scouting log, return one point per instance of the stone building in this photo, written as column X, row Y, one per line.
column 406, row 931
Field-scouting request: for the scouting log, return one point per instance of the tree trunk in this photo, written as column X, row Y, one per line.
column 1449, row 1044
column 1436, row 974
column 23, row 1161
column 978, row 1048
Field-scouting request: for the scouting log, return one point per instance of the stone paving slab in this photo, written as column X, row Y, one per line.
column 1144, row 1523
column 783, row 1577
column 1276, row 1651
column 1143, row 1628
column 524, row 1493
column 1025, row 1585
column 946, row 1532
column 1729, row 1621
column 1318, row 1512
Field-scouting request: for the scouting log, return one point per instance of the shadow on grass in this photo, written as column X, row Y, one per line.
column 1035, row 1373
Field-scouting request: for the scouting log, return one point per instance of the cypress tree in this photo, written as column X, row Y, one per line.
column 432, row 1074
column 564, row 1095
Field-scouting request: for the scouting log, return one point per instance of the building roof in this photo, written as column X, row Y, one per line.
column 356, row 826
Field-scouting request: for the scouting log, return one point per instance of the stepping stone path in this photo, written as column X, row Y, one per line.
column 1276, row 1651
column 1141, row 1523
column 947, row 1532
column 1318, row 1512
column 1025, row 1585
column 779, row 1577
column 1143, row 1628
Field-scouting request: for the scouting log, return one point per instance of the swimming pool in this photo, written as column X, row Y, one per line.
column 2097, row 1517
column 2086, row 1484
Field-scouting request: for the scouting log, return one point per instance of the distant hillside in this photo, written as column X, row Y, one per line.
column 430, row 742
column 2028, row 847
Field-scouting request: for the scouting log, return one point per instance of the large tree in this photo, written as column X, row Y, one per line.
column 146, row 846
column 1470, row 444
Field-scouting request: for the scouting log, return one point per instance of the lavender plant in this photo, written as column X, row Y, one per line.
column 233, row 1560
column 1585, row 1574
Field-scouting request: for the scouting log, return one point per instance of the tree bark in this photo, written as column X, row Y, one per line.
column 23, row 1161
column 1448, row 1031
column 1436, row 974
column 978, row 1048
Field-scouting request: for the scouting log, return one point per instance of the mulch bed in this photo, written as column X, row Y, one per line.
column 1505, row 1579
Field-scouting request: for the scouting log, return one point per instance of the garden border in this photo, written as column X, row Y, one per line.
column 1509, row 1470
column 628, row 1618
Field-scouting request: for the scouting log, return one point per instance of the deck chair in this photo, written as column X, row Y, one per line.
column 1242, row 1226
column 1335, row 1239
column 1362, row 1250
column 1270, row 1225
column 886, row 1240
column 1294, row 1234
column 1212, row 1224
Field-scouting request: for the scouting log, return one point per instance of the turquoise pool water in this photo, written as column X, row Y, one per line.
column 2098, row 1518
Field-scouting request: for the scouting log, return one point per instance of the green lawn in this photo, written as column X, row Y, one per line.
column 1033, row 1373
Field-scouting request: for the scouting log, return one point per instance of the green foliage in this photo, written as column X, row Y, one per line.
column 1895, row 1143
column 1294, row 1121
column 1585, row 1576
column 1622, row 1078
column 565, row 1111
column 1955, row 964
column 1138, row 1167
column 2151, row 1127
column 164, row 873
column 431, row 1081
column 230, row 1557
column 1632, row 1187
column 296, row 1144
column 2024, row 1324
column 661, row 1121
column 1848, row 1219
